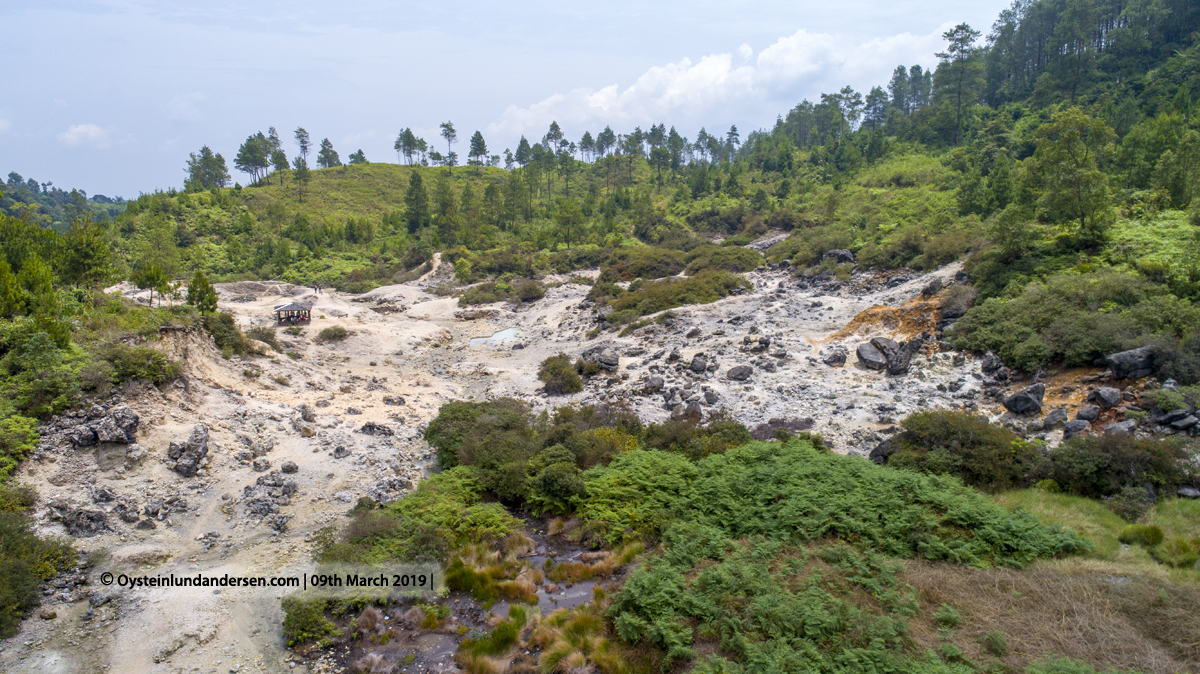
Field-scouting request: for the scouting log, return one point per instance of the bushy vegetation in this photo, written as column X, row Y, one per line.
column 334, row 333
column 649, row 298
column 559, row 376
column 517, row 291
column 995, row 459
column 26, row 560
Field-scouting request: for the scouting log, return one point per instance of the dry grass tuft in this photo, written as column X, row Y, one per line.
column 1080, row 611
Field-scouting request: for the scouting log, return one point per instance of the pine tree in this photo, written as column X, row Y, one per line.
column 201, row 294
column 478, row 152
column 327, row 157
column 416, row 203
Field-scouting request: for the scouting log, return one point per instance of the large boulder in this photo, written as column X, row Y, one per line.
column 699, row 364
column 900, row 360
column 740, row 372
column 1106, row 397
column 655, row 384
column 990, row 363
column 82, row 436
column 608, row 359
column 127, row 420
column 840, row 255
column 871, row 357
column 1137, row 362
column 884, row 450
column 188, row 455
column 836, row 357
column 1073, row 428
column 1088, row 413
column 82, row 522
column 1026, row 401
column 107, row 430
column 1057, row 417
column 1127, row 427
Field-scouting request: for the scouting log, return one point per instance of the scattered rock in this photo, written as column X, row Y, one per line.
column 341, row 452
column 187, row 456
column 1188, row 492
column 81, row 522
column 261, row 465
column 1106, row 397
column 841, row 256
column 990, row 363
column 608, row 359
column 145, row 525
column 393, row 400
column 372, row 428
column 871, row 357
column 899, row 361
column 1088, row 413
column 767, row 431
column 740, row 372
column 1185, row 423
column 47, row 614
column 1073, row 428
column 1128, row 426
column 307, row 413
column 1027, row 400
column 836, row 357
column 1137, row 362
column 1057, row 417
column 289, row 467
column 353, row 411
column 699, row 364
column 655, row 384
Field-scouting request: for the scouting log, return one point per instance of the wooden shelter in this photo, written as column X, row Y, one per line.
column 293, row 313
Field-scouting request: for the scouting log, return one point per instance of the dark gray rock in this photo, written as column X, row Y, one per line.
column 1088, row 413
column 899, row 361
column 107, row 430
column 871, row 357
column 840, row 255
column 145, row 525
column 128, row 512
column 289, row 467
column 1057, row 417
column 740, row 372
column 1128, row 427
column 655, row 384
column 188, row 456
column 608, row 359
column 1172, row 416
column 1106, row 397
column 767, row 431
column 307, row 413
column 699, row 364
column 353, row 411
column 82, row 522
column 372, row 428
column 1137, row 362
column 884, row 450
column 836, row 357
column 1026, row 401
column 127, row 420
column 261, row 465
column 711, row 397
column 990, row 363
column 155, row 507
column 1184, row 423
column 393, row 400
column 341, row 452
column 1073, row 428
column 82, row 436
column 888, row 347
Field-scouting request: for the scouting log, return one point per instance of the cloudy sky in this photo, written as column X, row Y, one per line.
column 110, row 96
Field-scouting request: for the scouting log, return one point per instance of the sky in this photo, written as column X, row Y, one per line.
column 111, row 96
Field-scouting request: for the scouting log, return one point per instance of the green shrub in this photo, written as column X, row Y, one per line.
column 26, row 560
column 225, row 333
column 559, row 376
column 18, row 437
column 517, row 291
column 721, row 258
column 486, row 434
column 947, row 617
column 1144, row 535
column 1099, row 466
column 705, row 287
column 983, row 455
column 304, row 621
column 267, row 336
column 995, row 642
column 140, row 363
column 501, row 638
column 646, row 262
column 334, row 333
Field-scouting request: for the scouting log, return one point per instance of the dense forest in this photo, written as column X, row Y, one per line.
column 1058, row 156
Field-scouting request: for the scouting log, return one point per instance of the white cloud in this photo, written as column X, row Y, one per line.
column 85, row 134
column 801, row 65
column 186, row 108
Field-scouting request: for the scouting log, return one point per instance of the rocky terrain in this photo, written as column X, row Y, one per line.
column 241, row 464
